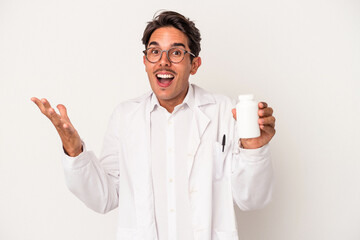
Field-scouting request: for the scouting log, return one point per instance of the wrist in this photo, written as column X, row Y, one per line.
column 245, row 145
column 73, row 152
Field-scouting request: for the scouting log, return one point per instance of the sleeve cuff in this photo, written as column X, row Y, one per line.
column 255, row 155
column 75, row 162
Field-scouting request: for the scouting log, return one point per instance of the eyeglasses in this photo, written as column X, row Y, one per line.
column 175, row 55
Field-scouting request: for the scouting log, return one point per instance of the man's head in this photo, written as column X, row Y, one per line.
column 178, row 21
column 172, row 44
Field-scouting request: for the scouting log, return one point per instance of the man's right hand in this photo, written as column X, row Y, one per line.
column 69, row 136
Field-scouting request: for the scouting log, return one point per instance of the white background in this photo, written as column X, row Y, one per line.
column 302, row 57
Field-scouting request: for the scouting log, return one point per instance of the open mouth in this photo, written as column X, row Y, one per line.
column 165, row 80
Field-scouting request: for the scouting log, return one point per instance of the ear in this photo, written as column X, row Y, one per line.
column 196, row 63
column 144, row 61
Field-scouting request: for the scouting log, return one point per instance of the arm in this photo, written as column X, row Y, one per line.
column 252, row 178
column 252, row 172
column 92, row 180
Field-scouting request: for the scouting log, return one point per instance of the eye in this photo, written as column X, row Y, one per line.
column 176, row 52
column 155, row 51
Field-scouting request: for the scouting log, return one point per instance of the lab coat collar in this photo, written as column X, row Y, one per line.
column 195, row 97
column 201, row 97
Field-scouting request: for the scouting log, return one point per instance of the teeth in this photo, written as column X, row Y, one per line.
column 164, row 76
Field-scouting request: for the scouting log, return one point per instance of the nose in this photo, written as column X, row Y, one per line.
column 164, row 61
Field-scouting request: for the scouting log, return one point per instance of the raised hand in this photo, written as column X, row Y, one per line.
column 69, row 136
column 267, row 127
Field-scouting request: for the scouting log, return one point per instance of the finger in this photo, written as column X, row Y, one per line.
column 270, row 121
column 34, row 99
column 51, row 113
column 234, row 113
column 268, row 129
column 38, row 103
column 262, row 105
column 63, row 112
column 46, row 103
column 265, row 112
column 54, row 117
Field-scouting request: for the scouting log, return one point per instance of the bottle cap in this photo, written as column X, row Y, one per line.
column 246, row 97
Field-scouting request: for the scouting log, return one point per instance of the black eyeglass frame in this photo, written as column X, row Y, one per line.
column 167, row 54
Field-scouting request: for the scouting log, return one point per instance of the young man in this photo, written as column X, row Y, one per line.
column 164, row 164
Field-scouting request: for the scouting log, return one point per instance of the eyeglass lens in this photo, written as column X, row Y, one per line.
column 175, row 55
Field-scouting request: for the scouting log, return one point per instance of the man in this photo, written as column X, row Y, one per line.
column 164, row 164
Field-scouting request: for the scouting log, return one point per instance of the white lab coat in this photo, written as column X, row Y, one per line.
column 122, row 176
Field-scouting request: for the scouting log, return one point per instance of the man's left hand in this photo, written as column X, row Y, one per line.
column 266, row 124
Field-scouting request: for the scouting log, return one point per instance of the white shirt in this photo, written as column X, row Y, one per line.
column 169, row 135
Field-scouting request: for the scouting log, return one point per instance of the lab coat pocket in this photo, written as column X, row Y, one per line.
column 219, row 157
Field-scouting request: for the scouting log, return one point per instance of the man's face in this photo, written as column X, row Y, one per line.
column 170, row 91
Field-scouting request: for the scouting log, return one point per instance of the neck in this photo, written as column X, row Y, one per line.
column 169, row 105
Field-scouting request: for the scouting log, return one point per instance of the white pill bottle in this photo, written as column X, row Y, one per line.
column 247, row 117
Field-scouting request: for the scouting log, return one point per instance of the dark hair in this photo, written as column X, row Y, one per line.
column 178, row 21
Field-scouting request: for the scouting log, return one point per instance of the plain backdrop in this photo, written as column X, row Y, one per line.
column 302, row 57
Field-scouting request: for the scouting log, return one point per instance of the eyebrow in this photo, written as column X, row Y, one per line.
column 178, row 45
column 153, row 43
column 172, row 45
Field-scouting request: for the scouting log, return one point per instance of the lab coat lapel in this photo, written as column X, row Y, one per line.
column 198, row 126
column 199, row 123
column 139, row 143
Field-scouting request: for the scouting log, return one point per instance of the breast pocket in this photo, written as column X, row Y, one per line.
column 220, row 154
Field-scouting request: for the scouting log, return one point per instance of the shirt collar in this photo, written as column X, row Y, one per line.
column 153, row 102
column 189, row 99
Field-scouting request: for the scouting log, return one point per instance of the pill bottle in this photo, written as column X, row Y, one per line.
column 247, row 117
